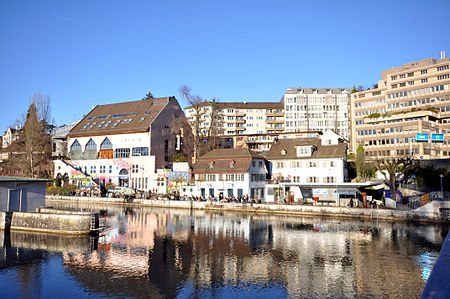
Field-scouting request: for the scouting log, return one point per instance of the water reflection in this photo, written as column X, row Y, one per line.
column 157, row 253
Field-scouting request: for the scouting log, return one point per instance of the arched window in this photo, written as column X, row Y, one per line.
column 75, row 151
column 91, row 150
column 106, row 144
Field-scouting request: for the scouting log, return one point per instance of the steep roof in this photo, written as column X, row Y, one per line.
column 226, row 153
column 117, row 118
column 321, row 151
column 236, row 160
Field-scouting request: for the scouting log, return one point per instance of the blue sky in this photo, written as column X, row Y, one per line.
column 85, row 53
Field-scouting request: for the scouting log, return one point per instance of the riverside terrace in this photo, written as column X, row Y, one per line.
column 434, row 211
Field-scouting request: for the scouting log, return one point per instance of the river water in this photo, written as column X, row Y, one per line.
column 162, row 253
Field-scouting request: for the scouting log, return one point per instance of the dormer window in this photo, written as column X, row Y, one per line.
column 211, row 164
column 283, row 152
column 304, row 151
column 232, row 163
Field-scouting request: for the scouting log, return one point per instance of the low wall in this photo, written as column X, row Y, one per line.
column 434, row 215
column 437, row 285
column 47, row 222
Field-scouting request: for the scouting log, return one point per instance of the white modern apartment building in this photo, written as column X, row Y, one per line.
column 124, row 143
column 241, row 117
column 317, row 109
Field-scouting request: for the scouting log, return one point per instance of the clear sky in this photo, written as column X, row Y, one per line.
column 85, row 53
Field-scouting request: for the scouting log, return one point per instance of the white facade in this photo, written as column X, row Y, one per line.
column 10, row 136
column 134, row 172
column 317, row 109
column 243, row 117
column 227, row 184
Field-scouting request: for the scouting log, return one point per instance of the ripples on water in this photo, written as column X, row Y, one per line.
column 157, row 253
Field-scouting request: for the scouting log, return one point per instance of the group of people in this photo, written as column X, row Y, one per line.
column 234, row 199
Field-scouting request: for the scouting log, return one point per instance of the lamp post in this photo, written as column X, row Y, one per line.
column 442, row 189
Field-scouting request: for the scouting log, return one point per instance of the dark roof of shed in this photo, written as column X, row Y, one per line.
column 321, row 151
column 147, row 109
column 21, row 179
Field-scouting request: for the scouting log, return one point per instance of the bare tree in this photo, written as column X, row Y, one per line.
column 196, row 103
column 393, row 168
column 31, row 153
column 215, row 128
column 205, row 135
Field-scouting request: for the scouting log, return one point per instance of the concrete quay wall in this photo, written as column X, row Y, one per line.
column 46, row 222
column 434, row 214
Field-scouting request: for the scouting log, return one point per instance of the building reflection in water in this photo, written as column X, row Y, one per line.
column 161, row 253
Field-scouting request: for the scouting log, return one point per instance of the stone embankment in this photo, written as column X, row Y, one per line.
column 436, row 212
column 50, row 221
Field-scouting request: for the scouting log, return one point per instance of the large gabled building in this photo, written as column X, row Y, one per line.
column 123, row 143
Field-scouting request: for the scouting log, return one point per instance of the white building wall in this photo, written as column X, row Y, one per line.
column 322, row 169
column 316, row 112
column 141, row 177
column 118, row 140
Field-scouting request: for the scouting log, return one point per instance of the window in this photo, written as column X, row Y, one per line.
column 140, row 151
column 424, row 80
column 410, row 82
column 91, row 150
column 312, row 164
column 102, row 168
column 442, row 68
column 93, row 169
column 85, row 126
column 106, row 144
column 329, row 179
column 332, row 164
column 75, row 150
column 166, row 150
column 122, row 153
column 110, row 168
column 279, row 165
column 134, row 168
column 423, row 72
column 411, row 74
column 442, row 77
column 312, row 179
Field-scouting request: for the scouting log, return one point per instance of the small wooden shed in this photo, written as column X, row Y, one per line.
column 22, row 194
